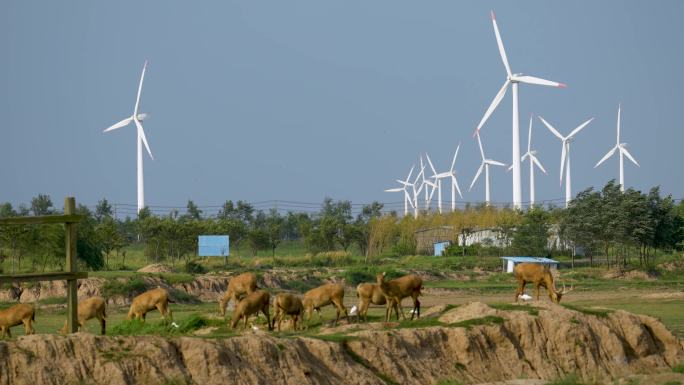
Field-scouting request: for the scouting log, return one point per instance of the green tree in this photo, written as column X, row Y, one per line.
column 275, row 228
column 193, row 212
column 41, row 205
column 103, row 210
column 532, row 234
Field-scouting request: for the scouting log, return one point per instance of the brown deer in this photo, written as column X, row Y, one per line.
column 253, row 303
column 398, row 289
column 238, row 287
column 93, row 307
column 538, row 275
column 16, row 315
column 324, row 295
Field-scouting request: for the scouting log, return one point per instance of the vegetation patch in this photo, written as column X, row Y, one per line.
column 125, row 288
column 600, row 313
column 488, row 320
column 163, row 328
column 678, row 368
column 52, row 301
column 531, row 310
column 447, row 381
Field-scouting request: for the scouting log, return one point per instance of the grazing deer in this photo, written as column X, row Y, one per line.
column 398, row 289
column 538, row 275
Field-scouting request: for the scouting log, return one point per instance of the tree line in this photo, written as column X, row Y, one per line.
column 619, row 226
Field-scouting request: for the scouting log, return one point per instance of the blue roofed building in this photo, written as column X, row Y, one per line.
column 510, row 262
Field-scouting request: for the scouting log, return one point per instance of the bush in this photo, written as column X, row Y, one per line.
column 128, row 288
column 458, row 251
column 357, row 275
column 193, row 267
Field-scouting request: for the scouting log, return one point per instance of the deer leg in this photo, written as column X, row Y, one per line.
column 416, row 307
column 537, row 288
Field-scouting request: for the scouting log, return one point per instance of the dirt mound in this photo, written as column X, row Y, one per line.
column 631, row 274
column 156, row 268
column 546, row 343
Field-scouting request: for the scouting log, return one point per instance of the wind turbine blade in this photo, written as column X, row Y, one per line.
column 137, row 98
column 395, row 189
column 509, row 168
column 422, row 170
column 404, row 183
column 410, row 173
column 563, row 155
column 407, row 196
column 495, row 162
column 455, row 182
column 608, row 155
column 141, row 133
column 122, row 123
column 434, row 172
column 618, row 125
column 479, row 142
column 527, row 155
column 502, row 51
column 453, row 161
column 432, row 193
column 553, row 130
column 479, row 171
column 628, row 155
column 538, row 81
column 497, row 99
column 529, row 136
column 536, row 161
column 579, row 128
column 420, row 188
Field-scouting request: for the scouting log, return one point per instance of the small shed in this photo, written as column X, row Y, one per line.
column 510, row 262
column 440, row 248
column 426, row 238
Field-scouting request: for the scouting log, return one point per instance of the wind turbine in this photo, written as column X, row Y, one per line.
column 532, row 156
column 622, row 147
column 484, row 165
column 424, row 182
column 141, row 139
column 416, row 192
column 513, row 80
column 435, row 184
column 565, row 155
column 407, row 197
column 454, row 183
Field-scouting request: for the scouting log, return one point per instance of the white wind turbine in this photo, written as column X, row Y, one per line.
column 454, row 183
column 425, row 181
column 622, row 147
column 416, row 192
column 407, row 197
column 532, row 156
column 513, row 80
column 484, row 165
column 565, row 155
column 141, row 139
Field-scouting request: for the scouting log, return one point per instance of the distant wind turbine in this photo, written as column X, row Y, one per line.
column 513, row 80
column 484, row 165
column 532, row 156
column 622, row 147
column 141, row 139
column 454, row 183
column 407, row 197
column 565, row 155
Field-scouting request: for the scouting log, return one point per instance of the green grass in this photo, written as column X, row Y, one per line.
column 678, row 368
column 126, row 288
column 488, row 320
column 531, row 310
column 600, row 313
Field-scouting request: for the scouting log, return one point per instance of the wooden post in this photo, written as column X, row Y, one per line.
column 72, row 284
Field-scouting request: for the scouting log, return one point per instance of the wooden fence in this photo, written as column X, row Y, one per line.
column 71, row 275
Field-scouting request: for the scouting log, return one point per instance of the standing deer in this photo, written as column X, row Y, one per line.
column 398, row 289
column 538, row 275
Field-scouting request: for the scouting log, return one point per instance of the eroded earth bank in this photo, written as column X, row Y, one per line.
column 473, row 343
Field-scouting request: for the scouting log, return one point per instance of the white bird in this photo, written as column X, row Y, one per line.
column 622, row 147
column 484, row 165
column 256, row 329
column 525, row 297
column 353, row 310
column 141, row 139
column 175, row 325
column 513, row 80
column 565, row 155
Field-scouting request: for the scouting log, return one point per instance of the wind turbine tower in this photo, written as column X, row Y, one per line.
column 137, row 118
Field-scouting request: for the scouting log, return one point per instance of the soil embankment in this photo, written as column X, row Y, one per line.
column 473, row 344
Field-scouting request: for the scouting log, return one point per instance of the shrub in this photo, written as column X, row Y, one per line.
column 126, row 288
column 193, row 267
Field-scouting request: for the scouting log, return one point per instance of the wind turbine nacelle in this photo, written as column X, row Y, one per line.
column 141, row 117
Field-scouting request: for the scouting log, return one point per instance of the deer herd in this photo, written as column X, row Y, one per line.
column 250, row 300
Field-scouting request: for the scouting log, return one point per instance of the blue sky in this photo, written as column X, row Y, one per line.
column 299, row 100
